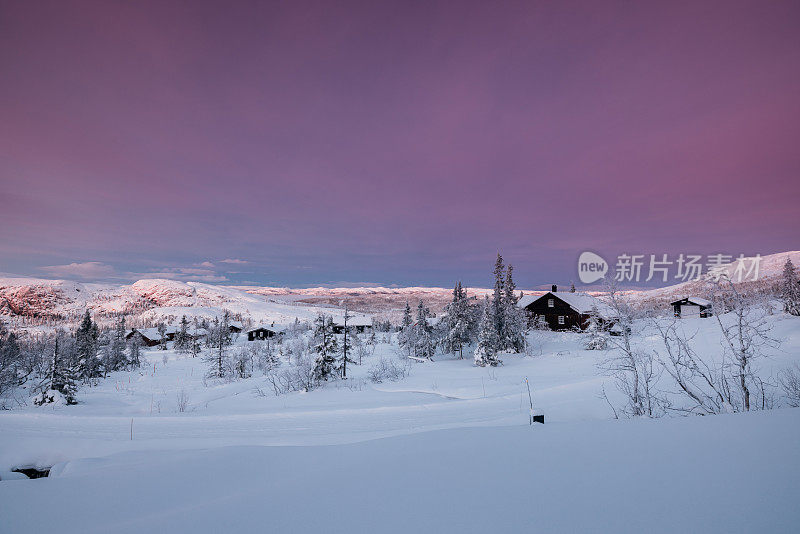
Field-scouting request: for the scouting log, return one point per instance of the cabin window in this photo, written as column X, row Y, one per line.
column 560, row 319
column 551, row 303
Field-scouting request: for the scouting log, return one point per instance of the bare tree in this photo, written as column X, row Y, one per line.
column 743, row 343
column 633, row 370
column 790, row 382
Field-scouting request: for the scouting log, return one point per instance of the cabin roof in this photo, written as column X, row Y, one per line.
column 152, row 333
column 694, row 300
column 277, row 329
column 353, row 320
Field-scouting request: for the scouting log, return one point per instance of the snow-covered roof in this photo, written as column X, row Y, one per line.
column 272, row 328
column 197, row 332
column 353, row 320
column 580, row 302
column 153, row 334
column 695, row 300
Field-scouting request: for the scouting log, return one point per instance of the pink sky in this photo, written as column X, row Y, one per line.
column 400, row 142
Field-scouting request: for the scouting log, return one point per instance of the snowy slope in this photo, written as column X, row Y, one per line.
column 726, row 474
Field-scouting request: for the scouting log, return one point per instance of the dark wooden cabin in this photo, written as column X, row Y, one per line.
column 150, row 337
column 264, row 332
column 563, row 311
column 359, row 324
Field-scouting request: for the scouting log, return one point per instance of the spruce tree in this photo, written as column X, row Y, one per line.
column 790, row 289
column 498, row 306
column 347, row 346
column 86, row 339
column 488, row 340
column 423, row 343
column 117, row 358
column 9, row 360
column 134, row 352
column 62, row 375
column 457, row 320
column 162, row 333
column 326, row 347
column 219, row 340
column 405, row 338
column 512, row 336
column 182, row 336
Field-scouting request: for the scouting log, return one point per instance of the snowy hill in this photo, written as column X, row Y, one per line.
column 152, row 300
column 770, row 269
column 145, row 301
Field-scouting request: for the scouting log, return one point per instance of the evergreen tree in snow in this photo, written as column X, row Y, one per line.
column 9, row 360
column 218, row 340
column 512, row 333
column 423, row 342
column 405, row 338
column 488, row 340
column 595, row 337
column 62, row 374
column 134, row 352
column 790, row 289
column 104, row 351
column 498, row 297
column 86, row 338
column 117, row 359
column 162, row 333
column 457, row 320
column 347, row 345
column 182, row 340
column 326, row 347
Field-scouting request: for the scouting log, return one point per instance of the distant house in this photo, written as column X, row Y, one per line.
column 692, row 307
column 196, row 333
column 235, row 327
column 564, row 311
column 150, row 337
column 359, row 323
column 265, row 332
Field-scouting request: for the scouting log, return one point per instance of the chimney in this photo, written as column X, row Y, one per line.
column 555, row 288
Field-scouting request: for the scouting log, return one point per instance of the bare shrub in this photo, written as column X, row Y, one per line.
column 388, row 369
column 790, row 382
column 298, row 377
column 183, row 400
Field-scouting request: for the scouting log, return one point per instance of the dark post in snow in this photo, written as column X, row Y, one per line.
column 532, row 418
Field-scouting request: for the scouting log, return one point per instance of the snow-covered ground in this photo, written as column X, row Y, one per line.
column 732, row 473
column 448, row 448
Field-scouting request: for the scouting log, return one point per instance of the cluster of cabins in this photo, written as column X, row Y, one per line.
column 358, row 323
column 557, row 310
column 567, row 311
column 151, row 337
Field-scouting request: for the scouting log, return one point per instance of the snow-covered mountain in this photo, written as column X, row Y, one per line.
column 34, row 301
column 145, row 301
